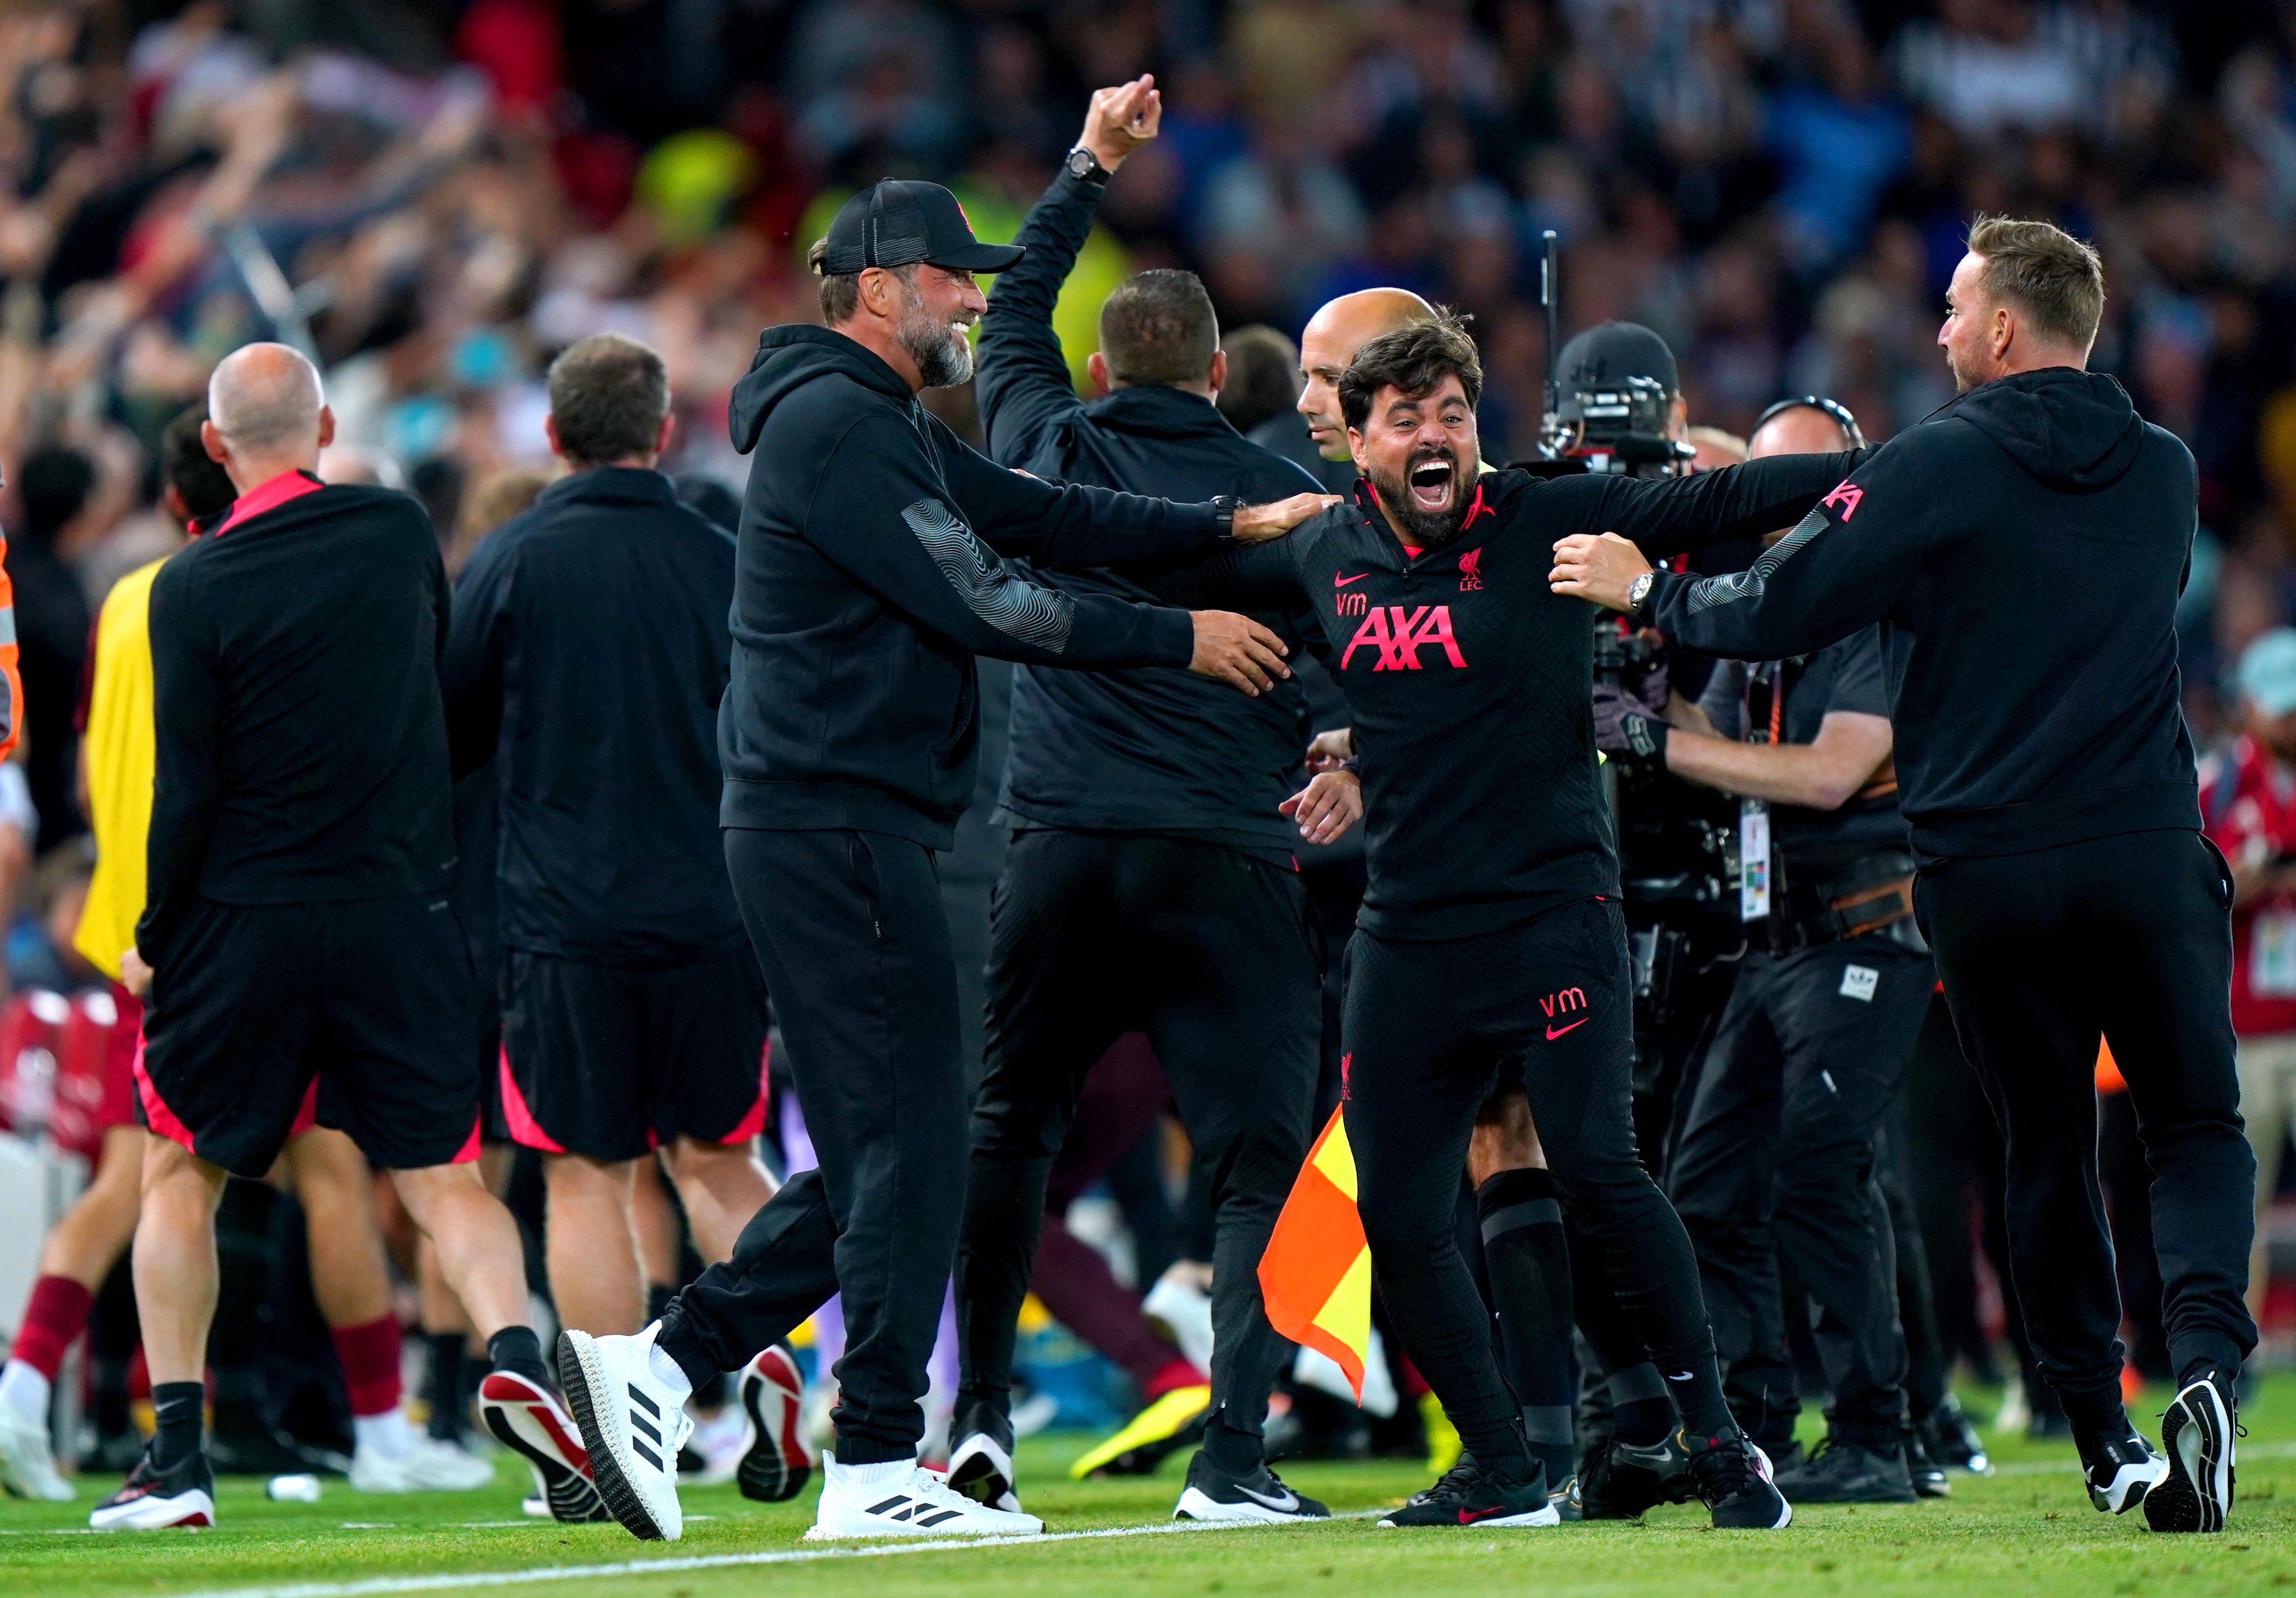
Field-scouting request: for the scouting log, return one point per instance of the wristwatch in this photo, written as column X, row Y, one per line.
column 1638, row 592
column 1224, row 509
column 1085, row 166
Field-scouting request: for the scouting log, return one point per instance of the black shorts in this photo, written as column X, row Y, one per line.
column 611, row 1061
column 372, row 996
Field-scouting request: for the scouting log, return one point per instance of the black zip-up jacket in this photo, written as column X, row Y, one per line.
column 1470, row 680
column 302, row 752
column 587, row 658
column 1128, row 752
column 2023, row 549
column 868, row 574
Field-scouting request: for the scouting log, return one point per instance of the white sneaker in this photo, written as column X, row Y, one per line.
column 981, row 1469
column 27, row 1468
column 632, row 1424
column 900, row 1499
column 429, row 1466
column 776, row 1459
column 526, row 1418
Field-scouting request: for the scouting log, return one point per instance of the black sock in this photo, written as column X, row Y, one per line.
column 676, row 1339
column 516, row 1350
column 442, row 1385
column 1641, row 1413
column 1232, row 1448
column 1529, row 1267
column 178, row 1408
column 1696, row 1383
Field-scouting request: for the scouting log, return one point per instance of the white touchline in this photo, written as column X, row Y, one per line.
column 626, row 1569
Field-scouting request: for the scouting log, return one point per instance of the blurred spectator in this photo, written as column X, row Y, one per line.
column 56, row 484
column 1263, row 376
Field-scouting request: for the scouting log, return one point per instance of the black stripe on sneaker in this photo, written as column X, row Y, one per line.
column 895, row 1501
column 645, row 1454
column 644, row 1403
column 639, row 1423
column 937, row 1517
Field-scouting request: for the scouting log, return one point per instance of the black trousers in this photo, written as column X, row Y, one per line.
column 855, row 944
column 2130, row 936
column 1775, row 1165
column 1428, row 1031
column 1215, row 957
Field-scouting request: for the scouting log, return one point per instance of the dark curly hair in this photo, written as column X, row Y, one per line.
column 1414, row 361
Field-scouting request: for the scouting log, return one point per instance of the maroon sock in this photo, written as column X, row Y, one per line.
column 52, row 1317
column 369, row 1354
column 1176, row 1375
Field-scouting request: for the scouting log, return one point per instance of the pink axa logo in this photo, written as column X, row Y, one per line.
column 1399, row 635
column 1471, row 570
column 1844, row 499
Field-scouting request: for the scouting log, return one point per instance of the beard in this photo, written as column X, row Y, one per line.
column 1427, row 529
column 1962, row 383
column 943, row 355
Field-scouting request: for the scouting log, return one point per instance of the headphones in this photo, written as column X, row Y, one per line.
column 1833, row 409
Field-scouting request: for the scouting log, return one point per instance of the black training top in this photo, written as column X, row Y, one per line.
column 1845, row 676
column 586, row 661
column 1152, row 750
column 302, row 740
column 1470, row 679
column 868, row 574
column 2023, row 550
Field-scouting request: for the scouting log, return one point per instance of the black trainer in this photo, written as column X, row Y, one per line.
column 2197, row 1434
column 1733, row 1477
column 2121, row 1468
column 1928, row 1477
column 1565, row 1499
column 980, row 1465
column 1951, row 1439
column 1843, row 1470
column 1213, row 1493
column 1620, row 1480
column 1467, row 1495
column 152, row 1499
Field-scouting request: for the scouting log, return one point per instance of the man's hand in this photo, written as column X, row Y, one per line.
column 1238, row 650
column 135, row 976
column 1597, row 568
column 1327, row 807
column 1121, row 119
column 1256, row 524
column 1329, row 747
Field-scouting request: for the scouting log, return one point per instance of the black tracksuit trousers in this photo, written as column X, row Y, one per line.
column 1216, row 956
column 849, row 927
column 1775, row 1165
column 1428, row 1031
column 2129, row 936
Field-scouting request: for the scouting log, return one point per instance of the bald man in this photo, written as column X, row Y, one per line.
column 297, row 949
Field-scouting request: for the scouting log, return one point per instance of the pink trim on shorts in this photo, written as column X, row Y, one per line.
column 524, row 1129
column 156, row 1113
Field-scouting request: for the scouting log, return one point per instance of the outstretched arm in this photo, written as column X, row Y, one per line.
column 1022, row 383
column 1664, row 516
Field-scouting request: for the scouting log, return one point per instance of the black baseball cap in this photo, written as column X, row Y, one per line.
column 1612, row 352
column 898, row 222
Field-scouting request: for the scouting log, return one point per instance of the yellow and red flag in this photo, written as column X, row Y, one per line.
column 1315, row 1275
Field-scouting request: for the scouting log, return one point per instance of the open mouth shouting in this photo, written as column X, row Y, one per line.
column 1433, row 483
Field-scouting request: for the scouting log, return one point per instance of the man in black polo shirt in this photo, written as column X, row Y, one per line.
column 1150, row 884
column 1774, row 1163
column 297, row 925
column 586, row 661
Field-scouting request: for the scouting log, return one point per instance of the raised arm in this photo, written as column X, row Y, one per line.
column 1840, row 568
column 1664, row 516
column 187, row 707
column 1022, row 382
column 877, row 513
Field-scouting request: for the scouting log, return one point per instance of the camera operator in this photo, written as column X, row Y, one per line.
column 1774, row 1162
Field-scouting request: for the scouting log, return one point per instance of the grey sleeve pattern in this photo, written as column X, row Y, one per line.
column 1749, row 584
column 991, row 587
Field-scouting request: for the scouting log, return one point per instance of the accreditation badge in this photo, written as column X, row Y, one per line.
column 1753, row 859
column 2272, row 953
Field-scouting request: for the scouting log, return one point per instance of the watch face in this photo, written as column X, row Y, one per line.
column 1081, row 162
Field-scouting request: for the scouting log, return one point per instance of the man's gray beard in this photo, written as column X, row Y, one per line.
column 1429, row 529
column 944, row 356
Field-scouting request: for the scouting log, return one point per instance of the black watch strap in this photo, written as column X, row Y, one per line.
column 1085, row 166
column 1224, row 509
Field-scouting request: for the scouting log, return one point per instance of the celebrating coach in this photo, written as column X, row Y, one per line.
column 849, row 738
column 2023, row 550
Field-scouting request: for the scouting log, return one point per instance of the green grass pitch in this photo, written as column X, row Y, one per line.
column 2028, row 1532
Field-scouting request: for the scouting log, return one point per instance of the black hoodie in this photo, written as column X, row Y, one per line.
column 2024, row 549
column 868, row 576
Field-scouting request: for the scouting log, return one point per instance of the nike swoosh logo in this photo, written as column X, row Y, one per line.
column 1467, row 1519
column 1555, row 1032
column 1341, row 582
column 1289, row 1501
